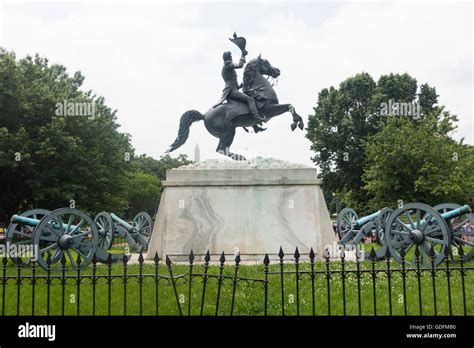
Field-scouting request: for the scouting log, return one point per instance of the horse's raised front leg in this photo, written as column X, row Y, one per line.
column 224, row 146
column 278, row 109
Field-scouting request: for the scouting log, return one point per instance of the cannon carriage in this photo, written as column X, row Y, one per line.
column 352, row 229
column 65, row 232
column 436, row 232
column 71, row 233
column 433, row 231
column 136, row 234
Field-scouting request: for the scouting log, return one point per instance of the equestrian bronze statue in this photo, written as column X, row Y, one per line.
column 257, row 103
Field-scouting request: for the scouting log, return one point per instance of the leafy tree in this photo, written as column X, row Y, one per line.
column 345, row 117
column 156, row 167
column 47, row 159
column 418, row 161
column 143, row 193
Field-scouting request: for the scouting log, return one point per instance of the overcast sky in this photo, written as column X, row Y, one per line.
column 154, row 61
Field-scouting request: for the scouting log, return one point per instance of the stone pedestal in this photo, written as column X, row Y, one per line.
column 253, row 207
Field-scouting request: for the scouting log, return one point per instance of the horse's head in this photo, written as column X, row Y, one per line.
column 265, row 68
column 258, row 66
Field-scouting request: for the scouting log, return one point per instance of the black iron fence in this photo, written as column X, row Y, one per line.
column 289, row 285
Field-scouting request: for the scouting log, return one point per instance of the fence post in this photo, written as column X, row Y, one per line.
column 402, row 256
column 207, row 258
column 156, row 260
column 78, row 262
column 296, row 255
column 140, row 281
column 373, row 257
column 266, row 262
column 94, row 283
column 432, row 255
column 125, row 282
column 389, row 280
column 328, row 280
column 463, row 286
column 219, row 281
column 448, row 278
column 281, row 255
column 191, row 263
column 170, row 270
column 63, row 282
column 234, row 283
column 418, row 276
column 311, row 261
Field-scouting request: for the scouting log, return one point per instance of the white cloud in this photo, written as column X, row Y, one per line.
column 153, row 62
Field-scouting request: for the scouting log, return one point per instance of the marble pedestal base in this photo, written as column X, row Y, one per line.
column 250, row 208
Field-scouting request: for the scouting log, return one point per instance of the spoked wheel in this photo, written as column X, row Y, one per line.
column 21, row 235
column 459, row 237
column 380, row 225
column 417, row 225
column 68, row 232
column 105, row 228
column 345, row 222
column 142, row 221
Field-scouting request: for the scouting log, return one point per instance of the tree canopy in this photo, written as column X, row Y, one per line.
column 50, row 159
column 364, row 154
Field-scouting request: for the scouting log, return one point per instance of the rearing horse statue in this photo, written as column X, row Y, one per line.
column 222, row 120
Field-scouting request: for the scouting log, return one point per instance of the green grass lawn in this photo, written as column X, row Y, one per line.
column 249, row 297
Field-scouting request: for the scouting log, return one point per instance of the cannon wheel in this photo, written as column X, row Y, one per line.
column 417, row 224
column 345, row 222
column 105, row 228
column 456, row 227
column 143, row 223
column 54, row 238
column 18, row 234
column 380, row 225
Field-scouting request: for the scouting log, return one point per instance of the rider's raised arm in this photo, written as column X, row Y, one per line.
column 241, row 63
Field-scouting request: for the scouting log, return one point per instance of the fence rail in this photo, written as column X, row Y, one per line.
column 288, row 286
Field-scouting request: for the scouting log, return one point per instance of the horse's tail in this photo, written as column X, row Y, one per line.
column 184, row 123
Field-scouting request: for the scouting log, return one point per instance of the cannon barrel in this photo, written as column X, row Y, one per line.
column 363, row 220
column 465, row 209
column 123, row 223
column 18, row 219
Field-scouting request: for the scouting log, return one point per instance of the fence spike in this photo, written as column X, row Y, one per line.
column 124, row 259
column 191, row 256
column 281, row 254
column 296, row 254
column 402, row 252
column 168, row 261
column 63, row 260
column 446, row 251
column 78, row 260
column 311, row 254
column 222, row 258
column 207, row 258
column 237, row 259
column 266, row 260
column 373, row 255
column 156, row 258
column 432, row 252
column 140, row 258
